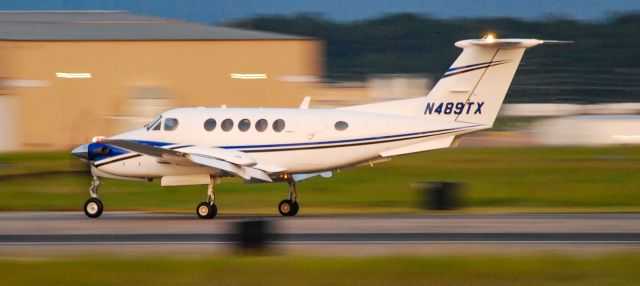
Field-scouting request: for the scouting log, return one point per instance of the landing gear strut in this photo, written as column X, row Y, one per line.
column 93, row 207
column 290, row 207
column 208, row 209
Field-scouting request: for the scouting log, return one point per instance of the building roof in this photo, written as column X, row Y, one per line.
column 115, row 25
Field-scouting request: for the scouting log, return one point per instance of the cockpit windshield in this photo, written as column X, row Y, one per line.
column 153, row 123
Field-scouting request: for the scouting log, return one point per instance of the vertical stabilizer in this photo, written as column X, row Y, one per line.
column 474, row 87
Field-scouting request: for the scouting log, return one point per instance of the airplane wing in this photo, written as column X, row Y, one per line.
column 231, row 161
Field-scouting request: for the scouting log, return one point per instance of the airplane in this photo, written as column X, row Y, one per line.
column 199, row 146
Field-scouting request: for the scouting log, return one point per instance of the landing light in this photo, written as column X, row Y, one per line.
column 97, row 139
column 490, row 37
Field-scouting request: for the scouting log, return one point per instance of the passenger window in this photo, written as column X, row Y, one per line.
column 244, row 125
column 341, row 125
column 261, row 125
column 210, row 124
column 227, row 124
column 278, row 125
column 170, row 124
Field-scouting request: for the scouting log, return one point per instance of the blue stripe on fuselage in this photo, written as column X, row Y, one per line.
column 321, row 143
column 341, row 141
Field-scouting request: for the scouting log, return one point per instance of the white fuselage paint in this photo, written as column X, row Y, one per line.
column 308, row 143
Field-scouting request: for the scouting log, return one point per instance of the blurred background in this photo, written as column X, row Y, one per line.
column 68, row 73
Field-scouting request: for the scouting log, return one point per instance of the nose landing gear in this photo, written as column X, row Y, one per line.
column 93, row 207
column 290, row 207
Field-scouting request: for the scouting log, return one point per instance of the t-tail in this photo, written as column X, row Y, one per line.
column 472, row 89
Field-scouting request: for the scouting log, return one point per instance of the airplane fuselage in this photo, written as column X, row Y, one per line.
column 310, row 140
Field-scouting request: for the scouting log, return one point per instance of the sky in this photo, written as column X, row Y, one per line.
column 218, row 11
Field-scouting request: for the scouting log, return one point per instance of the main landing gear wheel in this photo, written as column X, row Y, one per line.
column 288, row 208
column 93, row 207
column 206, row 210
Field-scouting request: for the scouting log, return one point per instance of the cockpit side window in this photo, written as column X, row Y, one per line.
column 154, row 124
column 170, row 124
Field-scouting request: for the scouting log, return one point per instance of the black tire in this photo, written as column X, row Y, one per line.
column 206, row 210
column 296, row 208
column 288, row 208
column 93, row 207
column 214, row 210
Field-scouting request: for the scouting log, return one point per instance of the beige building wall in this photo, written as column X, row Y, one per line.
column 134, row 80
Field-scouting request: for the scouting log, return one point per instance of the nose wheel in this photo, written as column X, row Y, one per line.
column 290, row 207
column 93, row 207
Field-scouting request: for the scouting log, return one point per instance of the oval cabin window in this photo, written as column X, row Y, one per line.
column 341, row 125
column 278, row 125
column 227, row 124
column 244, row 125
column 210, row 124
column 261, row 125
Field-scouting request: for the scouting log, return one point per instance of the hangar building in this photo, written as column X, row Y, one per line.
column 68, row 76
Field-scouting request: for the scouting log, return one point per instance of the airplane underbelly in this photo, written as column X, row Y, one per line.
column 327, row 158
column 145, row 167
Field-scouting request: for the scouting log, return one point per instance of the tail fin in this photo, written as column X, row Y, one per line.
column 473, row 88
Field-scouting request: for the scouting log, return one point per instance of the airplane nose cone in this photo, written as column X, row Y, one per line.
column 81, row 152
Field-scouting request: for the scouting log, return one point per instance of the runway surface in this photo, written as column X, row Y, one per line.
column 606, row 238
column 64, row 231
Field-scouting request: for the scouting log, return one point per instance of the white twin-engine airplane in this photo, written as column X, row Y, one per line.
column 198, row 146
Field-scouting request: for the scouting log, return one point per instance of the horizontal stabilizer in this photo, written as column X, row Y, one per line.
column 505, row 44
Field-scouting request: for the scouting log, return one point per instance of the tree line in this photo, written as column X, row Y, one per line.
column 603, row 65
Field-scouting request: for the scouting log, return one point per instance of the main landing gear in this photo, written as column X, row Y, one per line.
column 93, row 207
column 208, row 209
column 290, row 207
